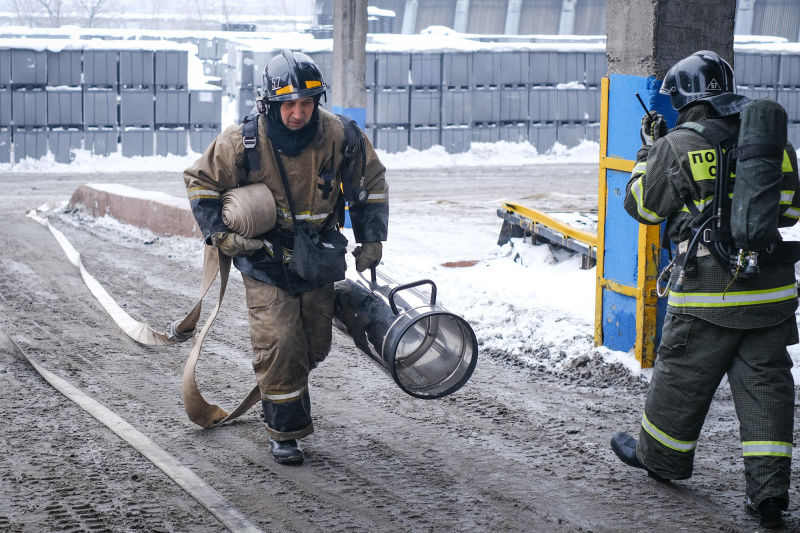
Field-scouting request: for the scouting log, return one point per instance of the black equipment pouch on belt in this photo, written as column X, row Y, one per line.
column 318, row 258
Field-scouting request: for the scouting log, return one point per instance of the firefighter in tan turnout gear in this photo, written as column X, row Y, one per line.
column 290, row 316
column 718, row 321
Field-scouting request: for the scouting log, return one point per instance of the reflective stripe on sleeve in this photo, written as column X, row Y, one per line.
column 283, row 397
column 766, row 448
column 636, row 191
column 700, row 205
column 731, row 299
column 305, row 215
column 201, row 193
column 640, row 168
column 786, row 197
column 666, row 440
column 792, row 212
column 786, row 164
column 375, row 197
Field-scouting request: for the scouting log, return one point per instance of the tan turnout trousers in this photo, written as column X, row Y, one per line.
column 291, row 335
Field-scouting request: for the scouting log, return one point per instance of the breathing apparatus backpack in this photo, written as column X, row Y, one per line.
column 740, row 228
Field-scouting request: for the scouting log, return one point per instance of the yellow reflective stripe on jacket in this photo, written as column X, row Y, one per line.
column 378, row 197
column 201, row 193
column 640, row 168
column 305, row 215
column 786, row 165
column 766, row 448
column 666, row 440
column 703, row 164
column 701, row 204
column 786, row 197
column 792, row 212
column 636, row 191
column 731, row 299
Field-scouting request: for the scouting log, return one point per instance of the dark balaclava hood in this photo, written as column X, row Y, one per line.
column 287, row 141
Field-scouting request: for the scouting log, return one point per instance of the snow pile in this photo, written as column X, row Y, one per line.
column 481, row 154
column 500, row 153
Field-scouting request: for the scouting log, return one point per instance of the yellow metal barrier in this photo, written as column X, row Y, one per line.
column 537, row 217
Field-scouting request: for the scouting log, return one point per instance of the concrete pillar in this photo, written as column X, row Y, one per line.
column 410, row 17
column 744, row 17
column 647, row 39
column 566, row 24
column 350, row 59
column 512, row 17
column 462, row 15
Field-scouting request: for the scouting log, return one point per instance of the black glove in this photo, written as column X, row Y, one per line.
column 368, row 254
column 233, row 244
column 652, row 129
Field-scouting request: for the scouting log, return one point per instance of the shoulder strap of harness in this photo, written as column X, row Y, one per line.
column 716, row 237
column 250, row 141
column 352, row 147
column 715, row 134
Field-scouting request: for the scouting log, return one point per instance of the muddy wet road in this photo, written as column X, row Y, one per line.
column 517, row 449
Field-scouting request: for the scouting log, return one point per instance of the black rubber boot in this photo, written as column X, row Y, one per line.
column 625, row 447
column 286, row 452
column 769, row 513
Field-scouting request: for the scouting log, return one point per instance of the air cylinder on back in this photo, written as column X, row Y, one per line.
column 759, row 175
column 428, row 351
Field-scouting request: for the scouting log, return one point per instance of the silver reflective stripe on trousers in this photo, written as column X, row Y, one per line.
column 284, row 397
column 730, row 299
column 666, row 440
column 766, row 447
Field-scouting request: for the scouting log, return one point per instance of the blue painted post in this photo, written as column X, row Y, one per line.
column 628, row 312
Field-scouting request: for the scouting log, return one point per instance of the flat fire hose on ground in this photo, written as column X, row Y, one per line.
column 230, row 517
column 198, row 409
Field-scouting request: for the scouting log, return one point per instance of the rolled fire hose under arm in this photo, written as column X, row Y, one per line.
column 200, row 412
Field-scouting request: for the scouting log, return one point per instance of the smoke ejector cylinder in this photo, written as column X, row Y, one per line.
column 428, row 351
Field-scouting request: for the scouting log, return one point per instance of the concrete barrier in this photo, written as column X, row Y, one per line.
column 156, row 211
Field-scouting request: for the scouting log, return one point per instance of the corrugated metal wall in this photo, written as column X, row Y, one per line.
column 435, row 13
column 780, row 18
column 590, row 17
column 487, row 16
column 539, row 17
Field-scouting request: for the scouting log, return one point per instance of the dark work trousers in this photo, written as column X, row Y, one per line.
column 291, row 335
column 693, row 357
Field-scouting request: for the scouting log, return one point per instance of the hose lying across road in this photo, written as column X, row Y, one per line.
column 230, row 516
column 199, row 411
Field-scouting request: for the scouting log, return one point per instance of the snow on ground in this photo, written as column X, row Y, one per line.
column 481, row 154
column 532, row 302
